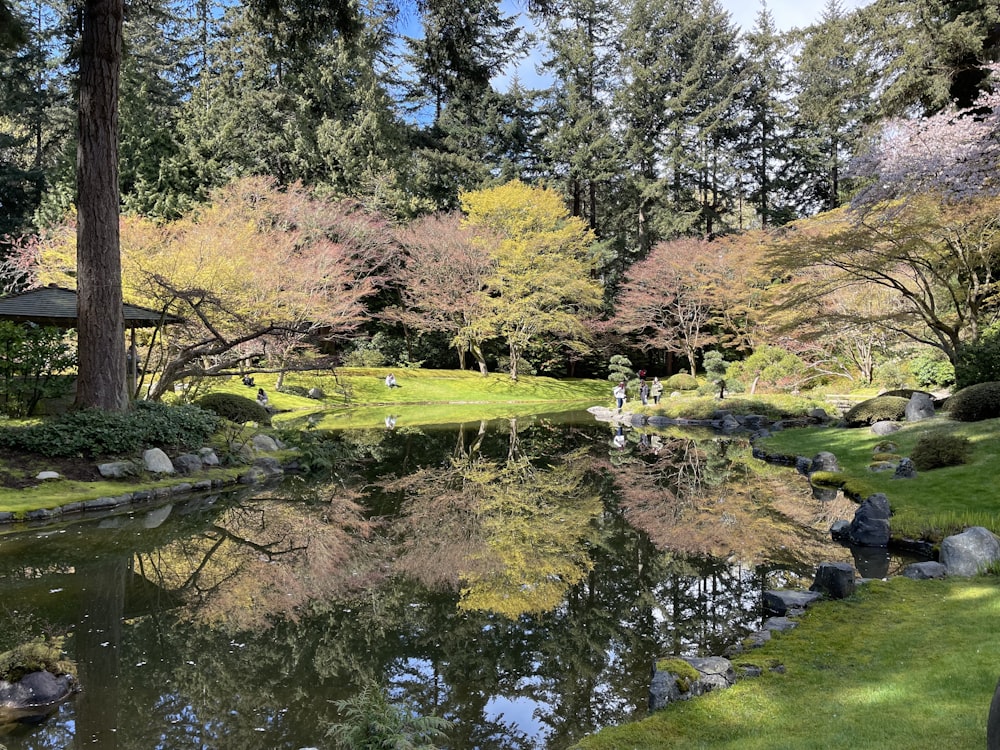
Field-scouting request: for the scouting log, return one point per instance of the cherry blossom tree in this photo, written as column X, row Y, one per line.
column 954, row 152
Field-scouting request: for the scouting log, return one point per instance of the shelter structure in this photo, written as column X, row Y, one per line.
column 57, row 306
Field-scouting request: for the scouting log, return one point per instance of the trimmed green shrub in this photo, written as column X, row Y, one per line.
column 235, row 408
column 975, row 403
column 878, row 409
column 935, row 451
column 772, row 367
column 680, row 381
column 92, row 432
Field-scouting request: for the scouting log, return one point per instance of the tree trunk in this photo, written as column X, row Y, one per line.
column 101, row 381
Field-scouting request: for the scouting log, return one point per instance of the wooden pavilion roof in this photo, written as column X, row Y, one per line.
column 56, row 306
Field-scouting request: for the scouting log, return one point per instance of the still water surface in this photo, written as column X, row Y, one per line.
column 517, row 577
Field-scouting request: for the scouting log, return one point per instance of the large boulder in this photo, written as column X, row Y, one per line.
column 36, row 694
column 870, row 527
column 920, row 406
column 835, row 580
column 824, row 461
column 970, row 552
column 157, row 462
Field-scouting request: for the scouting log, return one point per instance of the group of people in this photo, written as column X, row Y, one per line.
column 647, row 390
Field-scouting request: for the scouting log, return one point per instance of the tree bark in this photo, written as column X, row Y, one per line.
column 100, row 322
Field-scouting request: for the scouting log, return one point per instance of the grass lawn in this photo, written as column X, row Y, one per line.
column 936, row 503
column 902, row 664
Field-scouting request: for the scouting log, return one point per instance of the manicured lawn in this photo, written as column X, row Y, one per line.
column 937, row 502
column 902, row 664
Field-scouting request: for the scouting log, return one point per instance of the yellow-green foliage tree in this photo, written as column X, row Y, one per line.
column 541, row 283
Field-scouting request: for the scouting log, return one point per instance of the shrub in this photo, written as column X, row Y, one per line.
column 680, row 381
column 31, row 360
column 714, row 365
column 934, row 451
column 235, row 408
column 620, row 368
column 932, row 369
column 93, row 432
column 771, row 367
column 980, row 362
column 975, row 403
column 878, row 409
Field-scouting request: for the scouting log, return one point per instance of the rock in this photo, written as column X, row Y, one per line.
column 264, row 443
column 316, row 393
column 870, row 527
column 923, row 571
column 208, row 457
column 824, row 461
column 840, row 531
column 729, row 422
column 920, row 406
column 835, row 580
column 34, row 695
column 885, row 428
column 253, row 475
column 970, row 552
column 188, row 463
column 118, row 469
column 156, row 461
column 781, row 602
column 45, row 475
column 681, row 679
column 802, row 465
column 905, row 470
column 818, row 413
column 270, row 465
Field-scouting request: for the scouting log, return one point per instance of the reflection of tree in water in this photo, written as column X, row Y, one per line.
column 261, row 559
column 711, row 497
column 511, row 533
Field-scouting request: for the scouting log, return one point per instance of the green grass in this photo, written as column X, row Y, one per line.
column 902, row 664
column 934, row 504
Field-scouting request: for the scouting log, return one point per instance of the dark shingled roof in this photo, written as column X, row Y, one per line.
column 55, row 306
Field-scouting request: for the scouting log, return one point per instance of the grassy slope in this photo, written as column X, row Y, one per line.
column 901, row 664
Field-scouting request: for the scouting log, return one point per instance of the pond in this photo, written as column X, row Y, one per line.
column 517, row 577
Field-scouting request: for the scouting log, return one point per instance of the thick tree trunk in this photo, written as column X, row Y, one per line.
column 100, row 324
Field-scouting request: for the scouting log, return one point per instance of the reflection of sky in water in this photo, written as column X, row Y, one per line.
column 516, row 712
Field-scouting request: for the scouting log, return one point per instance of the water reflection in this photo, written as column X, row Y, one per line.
column 517, row 577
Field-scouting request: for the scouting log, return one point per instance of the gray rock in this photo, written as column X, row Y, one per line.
column 253, row 475
column 885, row 428
column 316, row 393
column 44, row 475
column 715, row 672
column 208, row 457
column 970, row 552
column 782, row 601
column 920, row 406
column 905, row 470
column 157, row 462
column 188, row 463
column 802, row 465
column 779, row 624
column 264, row 443
column 835, row 580
column 840, row 531
column 270, row 465
column 35, row 693
column 118, row 469
column 923, row 571
column 824, row 461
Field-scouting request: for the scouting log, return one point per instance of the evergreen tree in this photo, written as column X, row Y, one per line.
column 833, row 82
column 932, row 53
column 580, row 146
column 764, row 125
